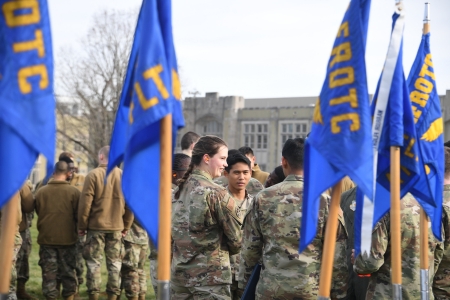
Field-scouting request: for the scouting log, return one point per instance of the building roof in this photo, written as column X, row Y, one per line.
column 280, row 102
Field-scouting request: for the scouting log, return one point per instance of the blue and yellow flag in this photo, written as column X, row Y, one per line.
column 149, row 94
column 429, row 126
column 393, row 125
column 340, row 140
column 27, row 103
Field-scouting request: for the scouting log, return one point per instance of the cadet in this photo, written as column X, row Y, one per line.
column 206, row 228
column 275, row 177
column 188, row 142
column 103, row 215
column 134, row 279
column 253, row 186
column 22, row 267
column 272, row 234
column 238, row 173
column 56, row 207
column 179, row 167
column 441, row 282
column 378, row 264
column 257, row 173
column 28, row 204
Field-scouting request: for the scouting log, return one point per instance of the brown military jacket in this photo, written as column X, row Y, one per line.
column 102, row 206
column 27, row 203
column 77, row 181
column 57, row 207
column 257, row 173
column 206, row 230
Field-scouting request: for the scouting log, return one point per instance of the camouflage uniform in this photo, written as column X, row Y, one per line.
column 235, row 259
column 253, row 186
column 272, row 234
column 22, row 266
column 153, row 266
column 379, row 262
column 97, row 243
column 206, row 230
column 12, row 285
column 61, row 262
column 134, row 280
column 441, row 282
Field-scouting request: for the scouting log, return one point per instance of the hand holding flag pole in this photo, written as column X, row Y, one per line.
column 424, row 263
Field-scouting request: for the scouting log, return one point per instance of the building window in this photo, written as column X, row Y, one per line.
column 293, row 129
column 212, row 128
column 256, row 135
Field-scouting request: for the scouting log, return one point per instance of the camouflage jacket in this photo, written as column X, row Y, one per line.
column 379, row 261
column 243, row 207
column 272, row 235
column 441, row 282
column 253, row 186
column 206, row 230
column 137, row 234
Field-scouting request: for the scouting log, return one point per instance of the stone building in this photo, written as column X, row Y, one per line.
column 263, row 124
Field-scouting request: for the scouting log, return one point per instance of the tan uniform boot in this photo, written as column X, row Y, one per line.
column 112, row 297
column 21, row 293
column 141, row 297
column 93, row 297
column 133, row 298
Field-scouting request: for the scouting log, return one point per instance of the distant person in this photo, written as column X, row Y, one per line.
column 275, row 177
column 104, row 217
column 57, row 208
column 76, row 180
column 256, row 171
column 188, row 142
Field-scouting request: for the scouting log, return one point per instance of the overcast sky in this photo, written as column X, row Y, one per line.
column 262, row 48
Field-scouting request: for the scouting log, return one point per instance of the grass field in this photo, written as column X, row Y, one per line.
column 34, row 284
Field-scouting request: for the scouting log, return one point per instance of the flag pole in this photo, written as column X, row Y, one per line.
column 326, row 268
column 396, row 258
column 8, row 230
column 165, row 208
column 424, row 260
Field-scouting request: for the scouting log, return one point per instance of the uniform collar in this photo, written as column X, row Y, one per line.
column 293, row 178
column 102, row 165
column 246, row 193
column 202, row 173
column 57, row 182
column 256, row 168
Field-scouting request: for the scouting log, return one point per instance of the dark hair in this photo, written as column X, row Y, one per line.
column 65, row 154
column 61, row 167
column 178, row 160
column 208, row 144
column 233, row 152
column 447, row 160
column 293, row 152
column 66, row 159
column 447, row 144
column 237, row 158
column 188, row 139
column 275, row 177
column 246, row 151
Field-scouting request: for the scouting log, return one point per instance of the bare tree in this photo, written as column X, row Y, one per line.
column 91, row 80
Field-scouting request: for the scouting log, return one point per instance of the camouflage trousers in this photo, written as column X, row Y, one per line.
column 22, row 267
column 12, row 284
column 216, row 292
column 99, row 243
column 80, row 261
column 134, row 279
column 154, row 275
column 56, row 261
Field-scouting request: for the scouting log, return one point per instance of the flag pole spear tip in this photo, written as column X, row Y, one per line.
column 426, row 18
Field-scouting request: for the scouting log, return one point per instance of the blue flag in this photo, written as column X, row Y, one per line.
column 340, row 140
column 393, row 125
column 429, row 126
column 149, row 93
column 27, row 103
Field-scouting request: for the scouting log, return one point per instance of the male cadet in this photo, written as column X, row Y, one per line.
column 22, row 267
column 272, row 234
column 238, row 173
column 28, row 207
column 76, row 180
column 188, row 142
column 57, row 207
column 378, row 262
column 441, row 281
column 180, row 165
column 103, row 215
column 253, row 186
column 257, row 173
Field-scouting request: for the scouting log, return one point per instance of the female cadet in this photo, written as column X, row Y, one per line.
column 205, row 227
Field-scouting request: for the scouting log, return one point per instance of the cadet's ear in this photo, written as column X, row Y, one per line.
column 284, row 162
column 174, row 174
